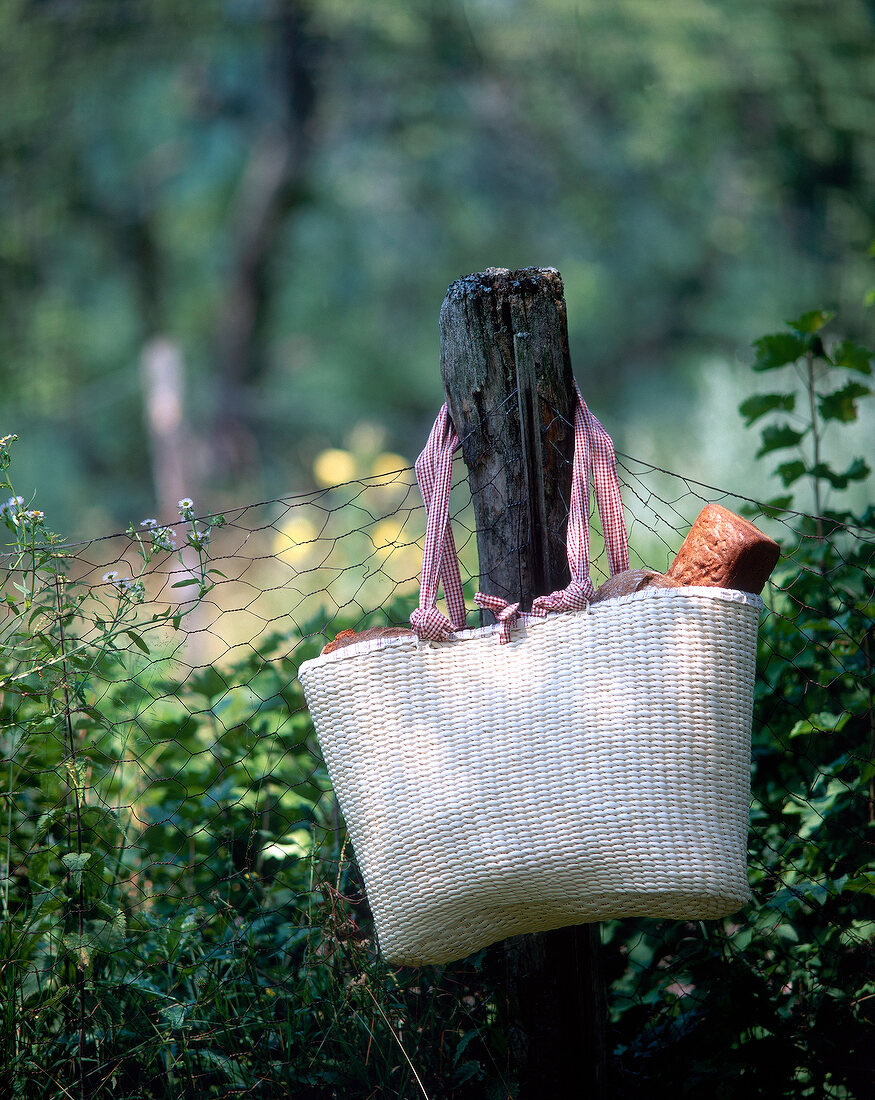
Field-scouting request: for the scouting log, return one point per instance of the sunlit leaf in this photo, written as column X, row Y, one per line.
column 861, row 884
column 820, row 723
column 812, row 321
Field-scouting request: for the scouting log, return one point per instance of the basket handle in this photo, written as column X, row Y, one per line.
column 593, row 451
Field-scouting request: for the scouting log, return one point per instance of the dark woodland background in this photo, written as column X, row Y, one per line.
column 226, row 228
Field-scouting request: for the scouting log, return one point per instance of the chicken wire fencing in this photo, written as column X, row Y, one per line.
column 181, row 911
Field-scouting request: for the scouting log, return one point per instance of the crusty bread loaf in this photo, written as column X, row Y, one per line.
column 724, row 550
column 632, row 580
column 350, row 637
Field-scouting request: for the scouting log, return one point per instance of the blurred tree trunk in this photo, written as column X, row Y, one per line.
column 170, row 436
column 272, row 184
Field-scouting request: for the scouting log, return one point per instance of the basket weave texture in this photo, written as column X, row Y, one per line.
column 595, row 766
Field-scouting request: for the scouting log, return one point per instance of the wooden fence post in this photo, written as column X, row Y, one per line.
column 506, row 370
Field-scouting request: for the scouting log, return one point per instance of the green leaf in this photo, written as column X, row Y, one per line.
column 138, row 642
column 776, row 436
column 771, row 508
column 813, row 321
column 76, row 862
column 175, row 1015
column 778, row 349
column 853, row 357
column 822, row 722
column 463, row 1042
column 790, row 471
column 862, row 884
column 466, row 1071
column 842, row 404
column 758, row 405
column 187, row 581
column 855, row 472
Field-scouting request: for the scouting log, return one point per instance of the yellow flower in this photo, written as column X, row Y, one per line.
column 334, row 467
column 293, row 541
column 388, row 463
column 387, row 533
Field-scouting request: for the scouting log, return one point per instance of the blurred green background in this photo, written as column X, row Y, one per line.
column 244, row 215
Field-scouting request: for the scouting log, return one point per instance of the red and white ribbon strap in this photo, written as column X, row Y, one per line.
column 593, row 450
column 506, row 613
column 440, row 563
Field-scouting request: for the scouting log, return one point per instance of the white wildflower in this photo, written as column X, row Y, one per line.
column 151, row 524
column 163, row 539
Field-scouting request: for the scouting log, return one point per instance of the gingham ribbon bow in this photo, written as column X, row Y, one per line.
column 593, row 450
column 507, row 614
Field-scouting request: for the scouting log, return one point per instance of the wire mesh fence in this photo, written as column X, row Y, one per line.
column 182, row 914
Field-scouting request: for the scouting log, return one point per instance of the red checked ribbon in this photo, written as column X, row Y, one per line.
column 440, row 563
column 506, row 613
column 593, row 450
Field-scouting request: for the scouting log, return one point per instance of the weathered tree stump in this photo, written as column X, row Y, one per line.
column 507, row 375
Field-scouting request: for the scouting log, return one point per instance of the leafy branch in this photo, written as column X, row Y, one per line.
column 825, row 369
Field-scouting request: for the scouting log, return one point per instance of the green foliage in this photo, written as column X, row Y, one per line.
column 179, row 915
column 780, row 1000
column 819, row 364
column 182, row 917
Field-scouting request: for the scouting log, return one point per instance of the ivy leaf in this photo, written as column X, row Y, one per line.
column 842, row 404
column 776, row 436
column 778, row 349
column 790, row 471
column 761, row 403
column 853, row 357
column 813, row 321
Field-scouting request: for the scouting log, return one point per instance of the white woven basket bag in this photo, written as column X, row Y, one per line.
column 573, row 764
